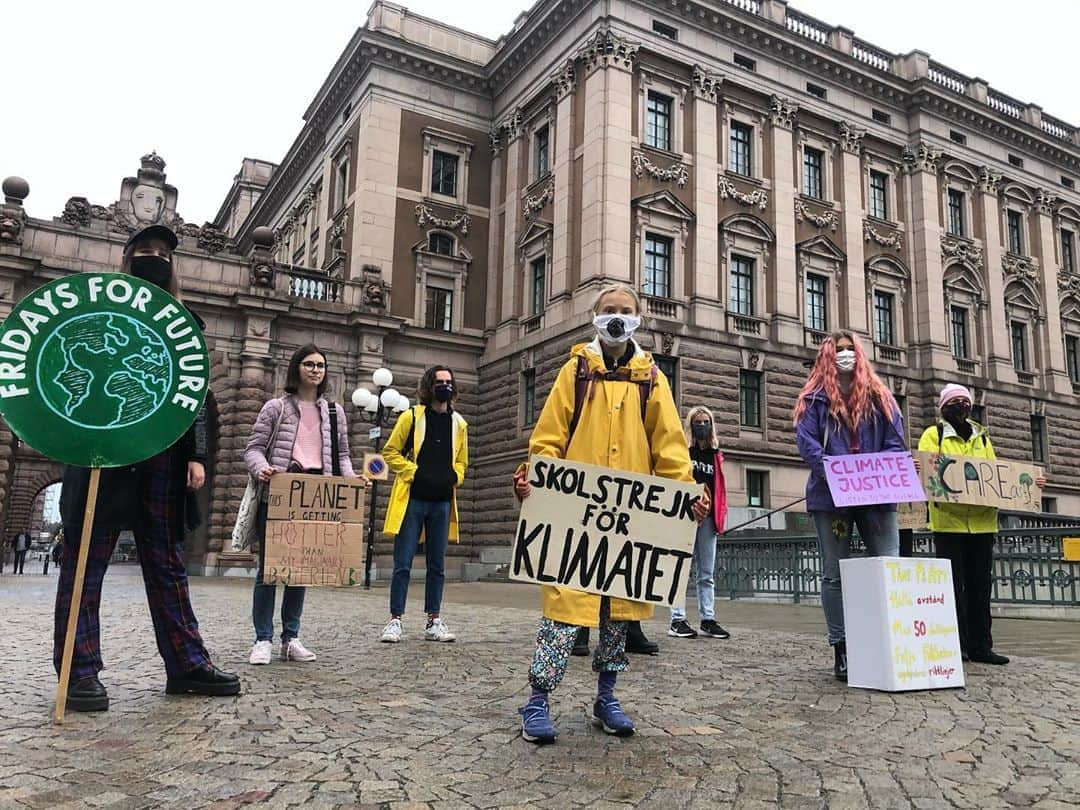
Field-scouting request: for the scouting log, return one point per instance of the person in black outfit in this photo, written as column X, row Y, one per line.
column 20, row 545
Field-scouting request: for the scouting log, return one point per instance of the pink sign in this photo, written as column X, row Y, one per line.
column 865, row 479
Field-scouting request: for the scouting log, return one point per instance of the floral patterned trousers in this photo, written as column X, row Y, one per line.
column 555, row 640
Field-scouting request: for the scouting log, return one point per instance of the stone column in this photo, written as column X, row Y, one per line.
column 375, row 164
column 787, row 320
column 854, row 285
column 511, row 133
column 491, row 310
column 930, row 336
column 1052, row 341
column 565, row 81
column 606, row 243
column 705, row 309
column 995, row 325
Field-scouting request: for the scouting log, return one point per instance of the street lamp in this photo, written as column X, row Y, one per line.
column 379, row 409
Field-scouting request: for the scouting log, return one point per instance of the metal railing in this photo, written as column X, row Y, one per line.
column 1029, row 568
column 313, row 285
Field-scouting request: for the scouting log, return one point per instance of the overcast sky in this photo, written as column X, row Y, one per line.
column 92, row 86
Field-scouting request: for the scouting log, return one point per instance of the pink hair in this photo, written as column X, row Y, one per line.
column 866, row 385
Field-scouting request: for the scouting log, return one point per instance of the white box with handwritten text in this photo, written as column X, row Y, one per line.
column 900, row 623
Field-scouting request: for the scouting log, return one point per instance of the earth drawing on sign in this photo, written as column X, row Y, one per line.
column 79, row 379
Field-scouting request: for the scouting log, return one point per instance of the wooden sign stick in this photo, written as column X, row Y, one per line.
column 76, row 594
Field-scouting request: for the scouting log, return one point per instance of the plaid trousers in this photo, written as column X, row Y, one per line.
column 159, row 542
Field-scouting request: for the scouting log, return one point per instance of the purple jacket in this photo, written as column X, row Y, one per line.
column 876, row 435
column 257, row 455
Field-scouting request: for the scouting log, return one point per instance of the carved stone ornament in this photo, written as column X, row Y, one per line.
column 77, row 212
column 851, row 138
column 533, row 205
column 923, row 158
column 1045, row 202
column 962, row 250
column 1069, row 284
column 607, row 49
column 495, row 141
column 754, row 360
column 706, row 83
column 424, row 216
column 565, row 79
column 988, row 180
column 1019, row 268
column 667, row 342
column 827, row 220
column 676, row 172
column 893, row 240
column 523, row 361
column 375, row 288
column 757, row 197
column 11, row 225
column 783, row 112
column 211, row 239
column 337, row 232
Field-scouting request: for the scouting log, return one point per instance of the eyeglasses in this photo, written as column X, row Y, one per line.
column 311, row 365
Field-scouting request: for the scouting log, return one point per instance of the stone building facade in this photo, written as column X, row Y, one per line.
column 761, row 177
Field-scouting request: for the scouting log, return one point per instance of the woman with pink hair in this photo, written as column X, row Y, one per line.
column 845, row 408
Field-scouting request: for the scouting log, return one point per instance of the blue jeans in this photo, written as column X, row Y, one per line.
column 433, row 518
column 877, row 528
column 704, row 563
column 262, row 601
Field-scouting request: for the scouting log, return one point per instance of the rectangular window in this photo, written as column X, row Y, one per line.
column 542, row 152
column 880, row 116
column 537, row 276
column 1038, row 439
column 740, row 148
column 658, row 122
column 757, row 488
column 1068, row 262
column 879, row 200
column 664, row 30
column 1068, row 182
column 441, row 244
column 341, row 183
column 883, row 318
column 1017, row 161
column 1014, row 224
column 439, row 309
column 956, row 212
column 1049, row 506
column 742, row 285
column 816, row 90
column 444, row 174
column 813, row 160
column 750, row 399
column 1018, row 331
column 958, row 322
column 529, row 396
column 1072, row 357
column 745, row 62
column 957, row 137
column 657, row 265
column 817, row 291
column 670, row 368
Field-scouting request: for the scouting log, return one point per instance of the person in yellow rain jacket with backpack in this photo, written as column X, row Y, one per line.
column 964, row 533
column 612, row 407
column 428, row 450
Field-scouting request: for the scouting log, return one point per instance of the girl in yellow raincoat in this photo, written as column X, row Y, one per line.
column 606, row 428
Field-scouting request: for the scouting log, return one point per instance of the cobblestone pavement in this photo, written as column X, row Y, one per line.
column 755, row 721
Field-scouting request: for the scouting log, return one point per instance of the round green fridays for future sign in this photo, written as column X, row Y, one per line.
column 101, row 370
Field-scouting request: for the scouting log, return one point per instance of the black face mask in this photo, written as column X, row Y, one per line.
column 154, row 269
column 701, row 431
column 956, row 413
column 443, row 392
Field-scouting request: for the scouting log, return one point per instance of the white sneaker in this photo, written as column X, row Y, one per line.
column 293, row 650
column 392, row 632
column 260, row 653
column 438, row 631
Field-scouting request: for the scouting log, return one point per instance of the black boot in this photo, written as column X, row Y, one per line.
column 87, row 695
column 581, row 643
column 636, row 641
column 207, row 680
column 840, row 661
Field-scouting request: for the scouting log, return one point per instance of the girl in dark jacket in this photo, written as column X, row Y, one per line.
column 150, row 498
column 845, row 408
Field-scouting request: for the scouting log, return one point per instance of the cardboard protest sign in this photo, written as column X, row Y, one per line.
column 900, row 624
column 980, row 482
column 603, row 531
column 865, row 479
column 315, row 532
column 912, row 516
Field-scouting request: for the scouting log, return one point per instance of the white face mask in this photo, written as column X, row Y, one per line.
column 845, row 361
column 616, row 329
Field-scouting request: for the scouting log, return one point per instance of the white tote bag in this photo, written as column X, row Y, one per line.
column 243, row 533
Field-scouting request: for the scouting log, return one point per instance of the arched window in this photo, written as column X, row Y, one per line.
column 440, row 244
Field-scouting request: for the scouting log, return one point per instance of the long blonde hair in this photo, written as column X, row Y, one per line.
column 696, row 411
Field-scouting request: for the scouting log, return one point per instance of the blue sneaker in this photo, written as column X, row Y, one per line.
column 536, row 725
column 608, row 715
